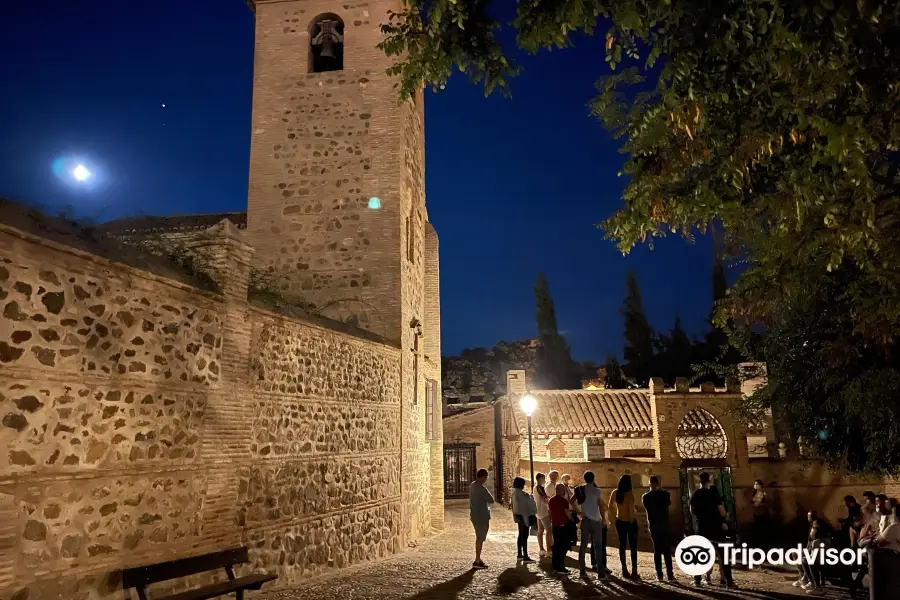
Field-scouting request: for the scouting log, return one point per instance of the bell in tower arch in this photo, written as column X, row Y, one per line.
column 327, row 41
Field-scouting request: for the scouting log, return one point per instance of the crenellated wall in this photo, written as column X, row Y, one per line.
column 144, row 420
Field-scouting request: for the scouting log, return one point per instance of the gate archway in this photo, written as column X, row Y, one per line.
column 702, row 444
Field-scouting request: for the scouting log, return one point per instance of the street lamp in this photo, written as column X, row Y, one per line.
column 528, row 404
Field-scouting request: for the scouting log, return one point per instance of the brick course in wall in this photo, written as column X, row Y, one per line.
column 245, row 427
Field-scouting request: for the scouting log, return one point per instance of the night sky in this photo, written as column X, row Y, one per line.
column 514, row 186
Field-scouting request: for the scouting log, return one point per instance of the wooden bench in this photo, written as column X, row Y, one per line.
column 141, row 577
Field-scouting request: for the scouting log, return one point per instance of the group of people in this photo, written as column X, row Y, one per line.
column 873, row 524
column 559, row 510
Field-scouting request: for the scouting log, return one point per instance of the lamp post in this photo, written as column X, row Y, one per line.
column 528, row 404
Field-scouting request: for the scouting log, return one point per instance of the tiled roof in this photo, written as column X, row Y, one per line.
column 589, row 412
column 148, row 225
column 592, row 412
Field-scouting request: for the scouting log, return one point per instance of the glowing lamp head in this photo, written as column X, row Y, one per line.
column 81, row 173
column 528, row 404
column 374, row 203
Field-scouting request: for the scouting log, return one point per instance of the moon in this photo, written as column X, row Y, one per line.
column 81, row 173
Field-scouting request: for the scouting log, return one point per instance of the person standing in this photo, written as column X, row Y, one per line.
column 870, row 508
column 709, row 510
column 524, row 514
column 657, row 502
column 622, row 513
column 480, row 500
column 761, row 514
column 854, row 515
column 541, row 499
column 559, row 518
column 553, row 476
column 572, row 526
column 820, row 532
column 890, row 537
column 885, row 512
column 593, row 526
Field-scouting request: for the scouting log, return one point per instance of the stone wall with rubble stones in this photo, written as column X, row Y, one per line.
column 107, row 381
column 144, row 420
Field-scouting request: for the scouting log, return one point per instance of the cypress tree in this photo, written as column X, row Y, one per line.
column 555, row 369
column 679, row 353
column 615, row 379
column 639, row 337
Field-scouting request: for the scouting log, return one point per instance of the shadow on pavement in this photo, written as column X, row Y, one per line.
column 512, row 580
column 575, row 587
column 614, row 587
column 665, row 591
column 448, row 590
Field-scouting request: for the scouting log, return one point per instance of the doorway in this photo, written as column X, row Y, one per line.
column 459, row 469
column 720, row 476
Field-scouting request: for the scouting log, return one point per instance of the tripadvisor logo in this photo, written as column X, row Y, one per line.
column 696, row 555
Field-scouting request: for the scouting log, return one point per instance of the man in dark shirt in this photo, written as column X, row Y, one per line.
column 656, row 503
column 854, row 515
column 708, row 509
column 560, row 509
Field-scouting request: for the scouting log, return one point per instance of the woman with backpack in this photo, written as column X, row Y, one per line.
column 622, row 513
column 525, row 515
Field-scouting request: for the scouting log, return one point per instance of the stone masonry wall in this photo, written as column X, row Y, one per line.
column 432, row 335
column 323, row 485
column 108, row 378
column 144, row 421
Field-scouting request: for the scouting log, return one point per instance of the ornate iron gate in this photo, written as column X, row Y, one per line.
column 459, row 469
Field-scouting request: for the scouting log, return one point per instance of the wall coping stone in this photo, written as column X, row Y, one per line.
column 107, row 263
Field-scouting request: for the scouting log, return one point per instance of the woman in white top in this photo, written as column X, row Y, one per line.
column 544, row 530
column 524, row 514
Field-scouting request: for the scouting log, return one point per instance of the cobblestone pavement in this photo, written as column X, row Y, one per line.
column 440, row 569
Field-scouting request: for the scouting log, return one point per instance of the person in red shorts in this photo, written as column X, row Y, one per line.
column 560, row 513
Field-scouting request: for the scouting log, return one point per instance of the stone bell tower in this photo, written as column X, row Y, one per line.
column 336, row 204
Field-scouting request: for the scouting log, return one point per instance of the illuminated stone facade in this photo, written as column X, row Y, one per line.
column 147, row 420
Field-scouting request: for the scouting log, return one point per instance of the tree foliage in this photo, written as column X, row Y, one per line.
column 776, row 118
column 555, row 369
column 829, row 384
column 676, row 354
column 615, row 378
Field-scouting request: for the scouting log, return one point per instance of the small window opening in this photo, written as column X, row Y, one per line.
column 326, row 43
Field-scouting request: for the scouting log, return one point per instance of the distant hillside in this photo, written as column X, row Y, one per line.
column 479, row 374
